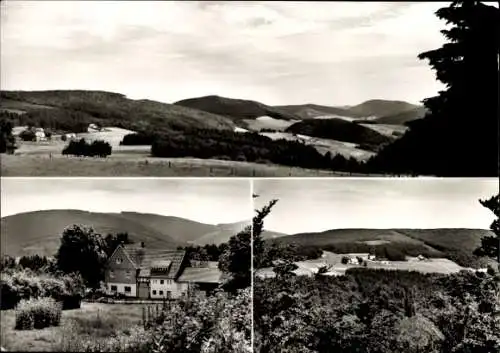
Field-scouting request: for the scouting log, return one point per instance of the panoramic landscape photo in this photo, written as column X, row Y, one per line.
column 256, row 89
column 126, row 265
column 376, row 265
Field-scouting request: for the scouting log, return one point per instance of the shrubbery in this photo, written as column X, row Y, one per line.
column 377, row 311
column 37, row 314
column 28, row 135
column 138, row 139
column 97, row 148
column 220, row 323
column 25, row 284
column 7, row 140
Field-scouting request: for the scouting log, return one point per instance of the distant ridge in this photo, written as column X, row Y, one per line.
column 39, row 232
column 235, row 108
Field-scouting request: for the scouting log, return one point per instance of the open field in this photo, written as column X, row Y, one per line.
column 266, row 122
column 347, row 149
column 134, row 162
column 335, row 265
column 93, row 319
column 387, row 129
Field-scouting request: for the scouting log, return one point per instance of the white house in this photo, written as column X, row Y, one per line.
column 155, row 273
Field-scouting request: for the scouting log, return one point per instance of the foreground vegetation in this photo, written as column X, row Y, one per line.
column 373, row 310
column 378, row 311
column 38, row 292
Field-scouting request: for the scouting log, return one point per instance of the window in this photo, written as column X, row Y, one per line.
column 113, row 288
column 127, row 289
column 161, row 292
column 169, row 294
column 127, row 274
column 161, row 281
column 118, row 260
column 154, row 292
column 112, row 274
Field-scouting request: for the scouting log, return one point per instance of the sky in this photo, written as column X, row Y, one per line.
column 211, row 201
column 331, row 53
column 315, row 205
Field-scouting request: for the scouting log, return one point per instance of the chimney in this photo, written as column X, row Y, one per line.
column 142, row 244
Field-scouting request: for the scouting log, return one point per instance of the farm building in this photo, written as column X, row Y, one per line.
column 40, row 134
column 68, row 136
column 93, row 128
column 138, row 272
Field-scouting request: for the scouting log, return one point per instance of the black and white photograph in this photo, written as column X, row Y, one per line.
column 249, row 88
column 376, row 265
column 125, row 265
column 250, row 176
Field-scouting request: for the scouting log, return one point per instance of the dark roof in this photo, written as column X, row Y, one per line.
column 201, row 275
column 154, row 261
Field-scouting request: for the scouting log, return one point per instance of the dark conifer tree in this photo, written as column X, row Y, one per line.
column 459, row 134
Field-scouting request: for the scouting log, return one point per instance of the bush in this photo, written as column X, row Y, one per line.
column 28, row 135
column 138, row 139
column 25, row 285
column 37, row 314
column 97, row 148
column 9, row 294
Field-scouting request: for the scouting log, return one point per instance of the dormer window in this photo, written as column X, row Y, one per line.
column 118, row 260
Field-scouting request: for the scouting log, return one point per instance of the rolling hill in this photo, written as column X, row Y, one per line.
column 403, row 117
column 39, row 232
column 107, row 109
column 457, row 244
column 380, row 111
column 381, row 108
column 221, row 233
column 340, row 130
column 310, row 111
column 235, row 108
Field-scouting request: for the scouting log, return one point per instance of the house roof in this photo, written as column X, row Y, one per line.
column 201, row 275
column 146, row 259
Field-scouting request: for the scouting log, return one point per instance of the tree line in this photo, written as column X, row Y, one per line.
column 97, row 148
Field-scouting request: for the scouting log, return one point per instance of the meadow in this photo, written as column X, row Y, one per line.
column 95, row 320
column 135, row 161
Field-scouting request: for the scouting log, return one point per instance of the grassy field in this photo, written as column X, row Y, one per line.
column 334, row 261
column 136, row 163
column 92, row 320
column 347, row 149
column 44, row 159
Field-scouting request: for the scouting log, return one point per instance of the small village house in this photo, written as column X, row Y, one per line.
column 138, row 272
column 40, row 134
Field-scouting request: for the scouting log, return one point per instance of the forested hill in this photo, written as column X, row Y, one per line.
column 75, row 110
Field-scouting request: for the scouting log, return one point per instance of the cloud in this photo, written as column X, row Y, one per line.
column 308, row 205
column 280, row 52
